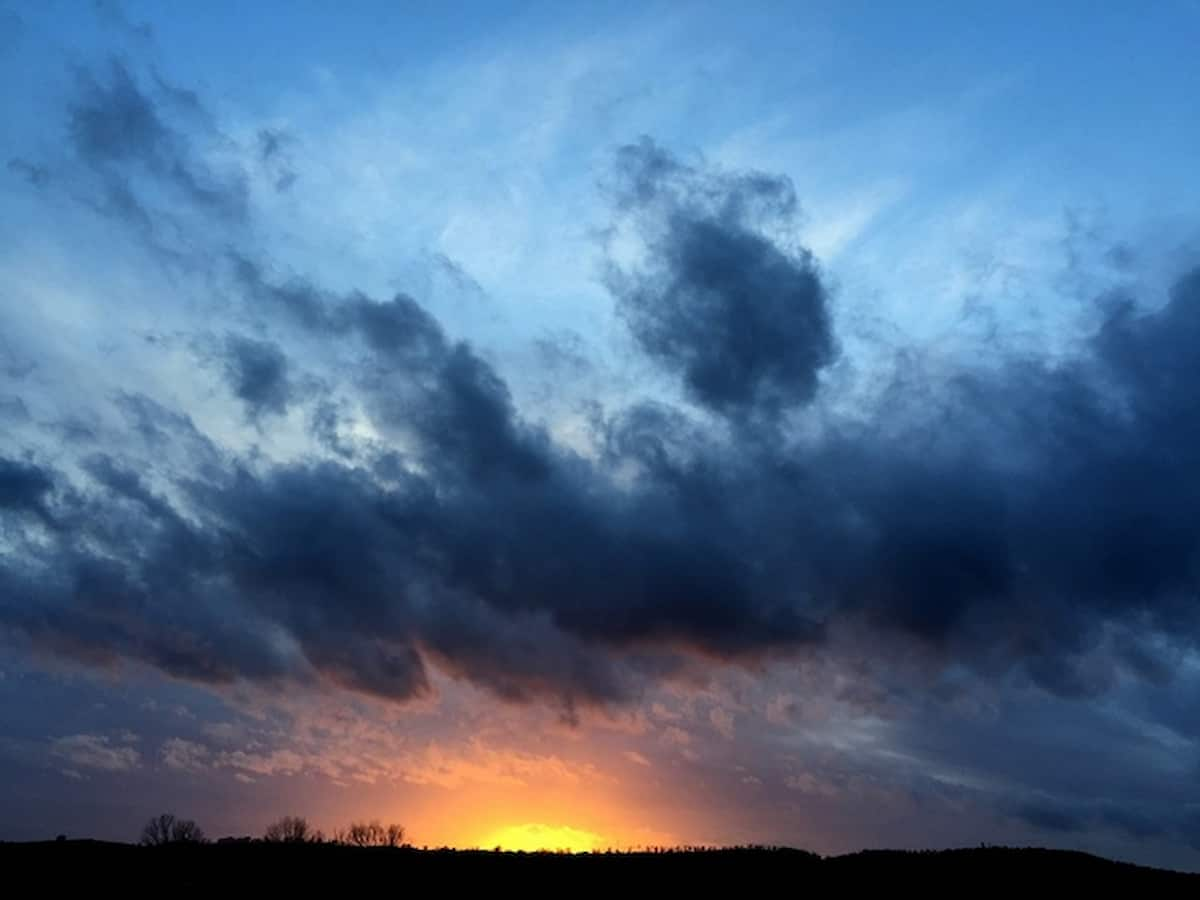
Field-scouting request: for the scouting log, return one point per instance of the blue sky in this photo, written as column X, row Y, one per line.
column 615, row 418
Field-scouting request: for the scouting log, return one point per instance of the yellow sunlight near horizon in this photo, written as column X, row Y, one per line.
column 533, row 836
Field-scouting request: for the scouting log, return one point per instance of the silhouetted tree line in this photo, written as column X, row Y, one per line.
column 698, row 864
column 166, row 829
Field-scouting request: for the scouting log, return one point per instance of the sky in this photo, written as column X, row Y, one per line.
column 603, row 425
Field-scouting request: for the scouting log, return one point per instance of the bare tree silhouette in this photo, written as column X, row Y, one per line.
column 292, row 830
column 166, row 829
column 187, row 832
column 372, row 834
column 158, row 830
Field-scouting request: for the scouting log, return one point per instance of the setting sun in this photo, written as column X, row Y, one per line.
column 531, row 837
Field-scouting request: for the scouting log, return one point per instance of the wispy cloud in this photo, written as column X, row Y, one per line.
column 95, row 751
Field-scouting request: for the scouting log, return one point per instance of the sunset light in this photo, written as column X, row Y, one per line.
column 532, row 837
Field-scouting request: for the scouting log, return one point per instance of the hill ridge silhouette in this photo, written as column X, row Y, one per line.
column 238, row 863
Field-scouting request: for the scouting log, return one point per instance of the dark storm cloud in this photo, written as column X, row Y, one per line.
column 118, row 130
column 257, row 373
column 309, row 572
column 399, row 329
column 1037, row 512
column 1027, row 511
column 1025, row 514
column 453, row 402
column 744, row 322
column 510, row 527
column 114, row 573
column 23, row 487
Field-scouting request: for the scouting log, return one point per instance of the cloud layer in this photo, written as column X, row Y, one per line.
column 1019, row 514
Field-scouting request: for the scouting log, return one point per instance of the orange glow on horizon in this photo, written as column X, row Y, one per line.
column 516, row 778
column 532, row 837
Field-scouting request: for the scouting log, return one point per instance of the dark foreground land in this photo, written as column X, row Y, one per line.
column 101, row 867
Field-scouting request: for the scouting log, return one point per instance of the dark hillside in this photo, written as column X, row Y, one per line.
column 96, row 865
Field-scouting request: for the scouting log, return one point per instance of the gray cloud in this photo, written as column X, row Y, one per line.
column 119, row 131
column 95, row 751
column 24, row 488
column 1031, row 515
column 257, row 373
column 742, row 321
